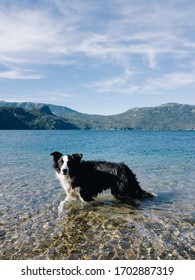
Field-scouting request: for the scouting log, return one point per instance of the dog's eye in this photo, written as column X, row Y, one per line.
column 61, row 161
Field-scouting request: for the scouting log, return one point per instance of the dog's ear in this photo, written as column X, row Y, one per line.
column 56, row 156
column 77, row 156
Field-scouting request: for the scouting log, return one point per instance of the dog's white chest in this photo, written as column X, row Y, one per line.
column 65, row 182
column 71, row 193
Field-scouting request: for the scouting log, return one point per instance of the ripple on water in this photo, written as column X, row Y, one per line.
column 159, row 228
column 98, row 231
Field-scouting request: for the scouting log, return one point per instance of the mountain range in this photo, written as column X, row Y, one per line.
column 30, row 115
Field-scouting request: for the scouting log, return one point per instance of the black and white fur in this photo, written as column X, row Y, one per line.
column 86, row 179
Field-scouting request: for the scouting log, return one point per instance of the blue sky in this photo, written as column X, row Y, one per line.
column 100, row 57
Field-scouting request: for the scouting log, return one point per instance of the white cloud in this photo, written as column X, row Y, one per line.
column 60, row 32
column 113, row 84
column 31, row 37
column 20, row 75
column 27, row 36
column 127, row 85
column 170, row 81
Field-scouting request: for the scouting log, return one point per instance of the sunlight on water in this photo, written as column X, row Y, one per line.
column 158, row 228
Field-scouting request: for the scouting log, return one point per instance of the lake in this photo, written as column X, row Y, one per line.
column 157, row 228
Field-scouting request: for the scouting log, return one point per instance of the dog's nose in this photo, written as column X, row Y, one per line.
column 65, row 171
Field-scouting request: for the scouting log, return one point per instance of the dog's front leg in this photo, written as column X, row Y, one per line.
column 61, row 206
column 68, row 199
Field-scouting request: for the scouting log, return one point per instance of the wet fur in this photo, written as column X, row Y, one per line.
column 86, row 179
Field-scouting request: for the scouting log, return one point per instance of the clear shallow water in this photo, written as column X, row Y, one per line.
column 159, row 228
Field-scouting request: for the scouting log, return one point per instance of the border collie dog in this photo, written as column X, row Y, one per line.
column 86, row 179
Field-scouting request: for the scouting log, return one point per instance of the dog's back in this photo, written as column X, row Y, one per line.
column 95, row 176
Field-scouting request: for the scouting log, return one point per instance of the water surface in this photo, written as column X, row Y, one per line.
column 158, row 228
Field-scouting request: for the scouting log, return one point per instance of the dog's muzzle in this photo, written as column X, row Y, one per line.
column 65, row 171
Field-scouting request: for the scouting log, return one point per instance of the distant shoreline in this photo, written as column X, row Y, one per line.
column 37, row 116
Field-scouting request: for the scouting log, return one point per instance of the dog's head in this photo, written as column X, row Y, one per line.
column 66, row 164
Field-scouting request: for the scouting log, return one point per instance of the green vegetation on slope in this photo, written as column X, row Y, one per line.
column 28, row 115
column 19, row 118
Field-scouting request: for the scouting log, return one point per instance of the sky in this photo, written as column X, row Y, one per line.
column 98, row 57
